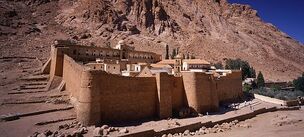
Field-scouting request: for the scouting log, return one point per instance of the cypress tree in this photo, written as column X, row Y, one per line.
column 173, row 53
column 260, row 80
column 299, row 83
column 188, row 56
column 167, row 52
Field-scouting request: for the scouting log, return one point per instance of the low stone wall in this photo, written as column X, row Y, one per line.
column 277, row 101
column 269, row 99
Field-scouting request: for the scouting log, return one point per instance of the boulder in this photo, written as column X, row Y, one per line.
column 98, row 132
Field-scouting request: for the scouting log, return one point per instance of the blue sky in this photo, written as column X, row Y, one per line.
column 287, row 15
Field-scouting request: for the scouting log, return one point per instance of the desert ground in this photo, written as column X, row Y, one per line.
column 273, row 124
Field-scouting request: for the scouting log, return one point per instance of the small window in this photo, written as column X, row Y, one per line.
column 87, row 52
column 74, row 52
column 94, row 67
column 113, row 67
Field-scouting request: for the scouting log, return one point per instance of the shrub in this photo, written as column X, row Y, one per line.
column 246, row 88
column 279, row 94
column 218, row 65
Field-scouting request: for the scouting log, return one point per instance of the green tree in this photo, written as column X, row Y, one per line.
column 173, row 53
column 167, row 52
column 299, row 83
column 218, row 65
column 188, row 56
column 253, row 73
column 236, row 64
column 260, row 80
column 245, row 70
column 254, row 85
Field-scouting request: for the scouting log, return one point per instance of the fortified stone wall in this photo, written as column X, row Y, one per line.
column 200, row 91
column 102, row 97
column 178, row 93
column 72, row 76
column 229, row 88
column 125, row 98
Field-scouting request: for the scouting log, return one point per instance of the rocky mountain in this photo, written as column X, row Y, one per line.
column 210, row 29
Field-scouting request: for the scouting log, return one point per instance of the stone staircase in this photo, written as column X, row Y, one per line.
column 32, row 84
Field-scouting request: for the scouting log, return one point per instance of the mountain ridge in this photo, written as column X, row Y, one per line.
column 210, row 29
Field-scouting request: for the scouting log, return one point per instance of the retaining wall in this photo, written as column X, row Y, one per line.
column 277, row 101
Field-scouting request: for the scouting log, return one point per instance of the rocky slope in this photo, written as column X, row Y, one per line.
column 209, row 29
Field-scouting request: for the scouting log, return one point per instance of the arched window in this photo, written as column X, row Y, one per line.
column 87, row 52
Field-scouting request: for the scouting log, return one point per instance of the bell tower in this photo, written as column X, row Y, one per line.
column 178, row 65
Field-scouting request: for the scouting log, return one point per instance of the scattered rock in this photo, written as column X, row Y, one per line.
column 48, row 132
column 112, row 129
column 77, row 134
column 186, row 132
column 98, row 132
column 41, row 135
column 201, row 131
column 245, row 125
column 105, row 127
column 105, row 132
column 35, row 134
column 220, row 130
column 83, row 130
column 208, row 130
column 124, row 130
column 85, row 36
column 65, row 126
